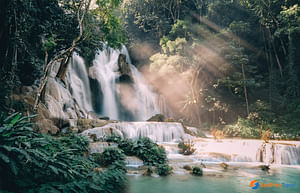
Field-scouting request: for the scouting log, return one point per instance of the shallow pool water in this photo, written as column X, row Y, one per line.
column 232, row 181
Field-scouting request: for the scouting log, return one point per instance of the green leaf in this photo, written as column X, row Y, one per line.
column 4, row 158
column 54, row 169
column 15, row 120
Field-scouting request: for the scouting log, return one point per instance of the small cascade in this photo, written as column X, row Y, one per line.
column 133, row 162
column 278, row 153
column 78, row 83
column 156, row 131
column 287, row 154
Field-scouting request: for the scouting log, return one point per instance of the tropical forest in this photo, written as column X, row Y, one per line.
column 149, row 96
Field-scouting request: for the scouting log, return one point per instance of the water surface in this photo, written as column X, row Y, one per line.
column 227, row 182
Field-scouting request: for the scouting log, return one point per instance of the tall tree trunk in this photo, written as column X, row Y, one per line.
column 292, row 83
column 245, row 89
column 271, row 39
column 271, row 78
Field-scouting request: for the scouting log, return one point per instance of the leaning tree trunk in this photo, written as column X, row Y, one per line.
column 61, row 74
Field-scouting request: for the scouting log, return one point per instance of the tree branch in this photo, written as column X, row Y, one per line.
column 64, row 54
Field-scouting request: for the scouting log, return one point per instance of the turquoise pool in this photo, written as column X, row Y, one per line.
column 227, row 182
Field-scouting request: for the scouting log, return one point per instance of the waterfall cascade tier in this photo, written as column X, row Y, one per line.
column 239, row 150
column 156, row 131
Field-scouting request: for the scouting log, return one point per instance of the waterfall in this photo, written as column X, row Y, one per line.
column 106, row 90
column 122, row 101
column 78, row 83
column 104, row 70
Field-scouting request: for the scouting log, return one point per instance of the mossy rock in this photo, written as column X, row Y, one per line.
column 188, row 167
column 157, row 118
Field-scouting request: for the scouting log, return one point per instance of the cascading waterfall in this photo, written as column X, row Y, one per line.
column 133, row 101
column 78, row 83
column 136, row 98
column 104, row 70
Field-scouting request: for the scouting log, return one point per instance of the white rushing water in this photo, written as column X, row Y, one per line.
column 207, row 150
column 239, row 150
column 156, row 131
column 134, row 101
column 79, row 85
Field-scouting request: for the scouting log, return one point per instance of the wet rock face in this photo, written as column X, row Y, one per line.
column 60, row 102
column 84, row 124
column 157, row 118
column 124, row 67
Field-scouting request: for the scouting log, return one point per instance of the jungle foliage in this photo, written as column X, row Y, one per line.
column 32, row 162
column 215, row 60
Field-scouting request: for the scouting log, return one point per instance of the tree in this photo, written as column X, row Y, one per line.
column 25, row 27
column 110, row 30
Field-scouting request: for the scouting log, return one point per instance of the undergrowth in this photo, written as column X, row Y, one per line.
column 33, row 162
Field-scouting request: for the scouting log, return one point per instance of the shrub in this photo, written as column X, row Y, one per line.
column 186, row 148
column 127, row 146
column 150, row 152
column 113, row 138
column 112, row 154
column 218, row 134
column 266, row 135
column 197, row 171
column 243, row 128
column 163, row 169
column 145, row 149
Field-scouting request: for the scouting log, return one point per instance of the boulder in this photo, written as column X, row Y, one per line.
column 100, row 133
column 264, row 167
column 124, row 67
column 104, row 118
column 84, row 124
column 157, row 118
column 47, row 126
column 188, row 167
